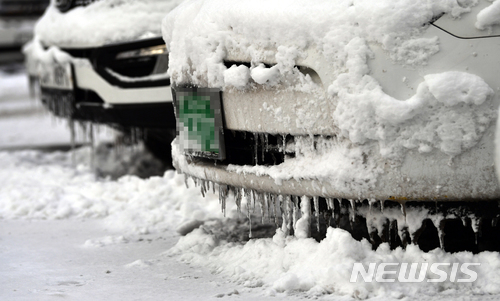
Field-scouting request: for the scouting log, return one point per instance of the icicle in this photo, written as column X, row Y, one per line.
column 263, row 146
column 222, row 197
column 329, row 203
column 303, row 226
column 92, row 148
column 202, row 188
column 476, row 224
column 288, row 200
column 270, row 206
column 208, row 183
column 405, row 236
column 71, row 125
column 295, row 200
column 254, row 198
column 266, row 142
column 231, row 190
column 316, row 211
column 186, row 178
column 248, row 197
column 283, row 210
column 382, row 206
column 267, row 197
column 352, row 215
column 336, row 212
column 272, row 201
column 260, row 198
column 394, row 228
column 276, row 204
column 237, row 198
column 249, row 215
column 284, row 145
column 286, row 213
column 256, row 148
column 439, row 223
column 403, row 211
column 370, row 203
column 370, row 227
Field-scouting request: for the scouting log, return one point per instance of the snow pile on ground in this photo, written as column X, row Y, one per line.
column 103, row 22
column 291, row 265
column 39, row 185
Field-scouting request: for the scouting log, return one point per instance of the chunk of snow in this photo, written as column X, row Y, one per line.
column 489, row 16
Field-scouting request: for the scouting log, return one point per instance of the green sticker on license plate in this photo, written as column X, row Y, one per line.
column 199, row 121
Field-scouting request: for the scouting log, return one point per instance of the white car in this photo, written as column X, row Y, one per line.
column 17, row 19
column 104, row 61
column 381, row 113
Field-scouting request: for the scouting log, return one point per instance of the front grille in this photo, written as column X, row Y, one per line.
column 247, row 148
column 133, row 67
column 129, row 72
column 105, row 58
column 17, row 8
column 265, row 149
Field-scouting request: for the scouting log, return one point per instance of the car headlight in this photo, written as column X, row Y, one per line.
column 65, row 5
column 143, row 52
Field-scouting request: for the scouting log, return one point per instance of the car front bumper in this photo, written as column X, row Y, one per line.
column 341, row 169
column 101, row 96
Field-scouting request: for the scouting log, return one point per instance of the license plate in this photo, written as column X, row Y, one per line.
column 199, row 121
column 56, row 76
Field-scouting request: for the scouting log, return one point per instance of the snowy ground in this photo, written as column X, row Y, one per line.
column 66, row 232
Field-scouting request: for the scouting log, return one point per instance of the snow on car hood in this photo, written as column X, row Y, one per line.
column 200, row 33
column 103, row 22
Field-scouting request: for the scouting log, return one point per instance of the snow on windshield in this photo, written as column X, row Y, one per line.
column 102, row 22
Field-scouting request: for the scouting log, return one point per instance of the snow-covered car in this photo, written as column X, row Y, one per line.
column 108, row 65
column 379, row 113
column 17, row 18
